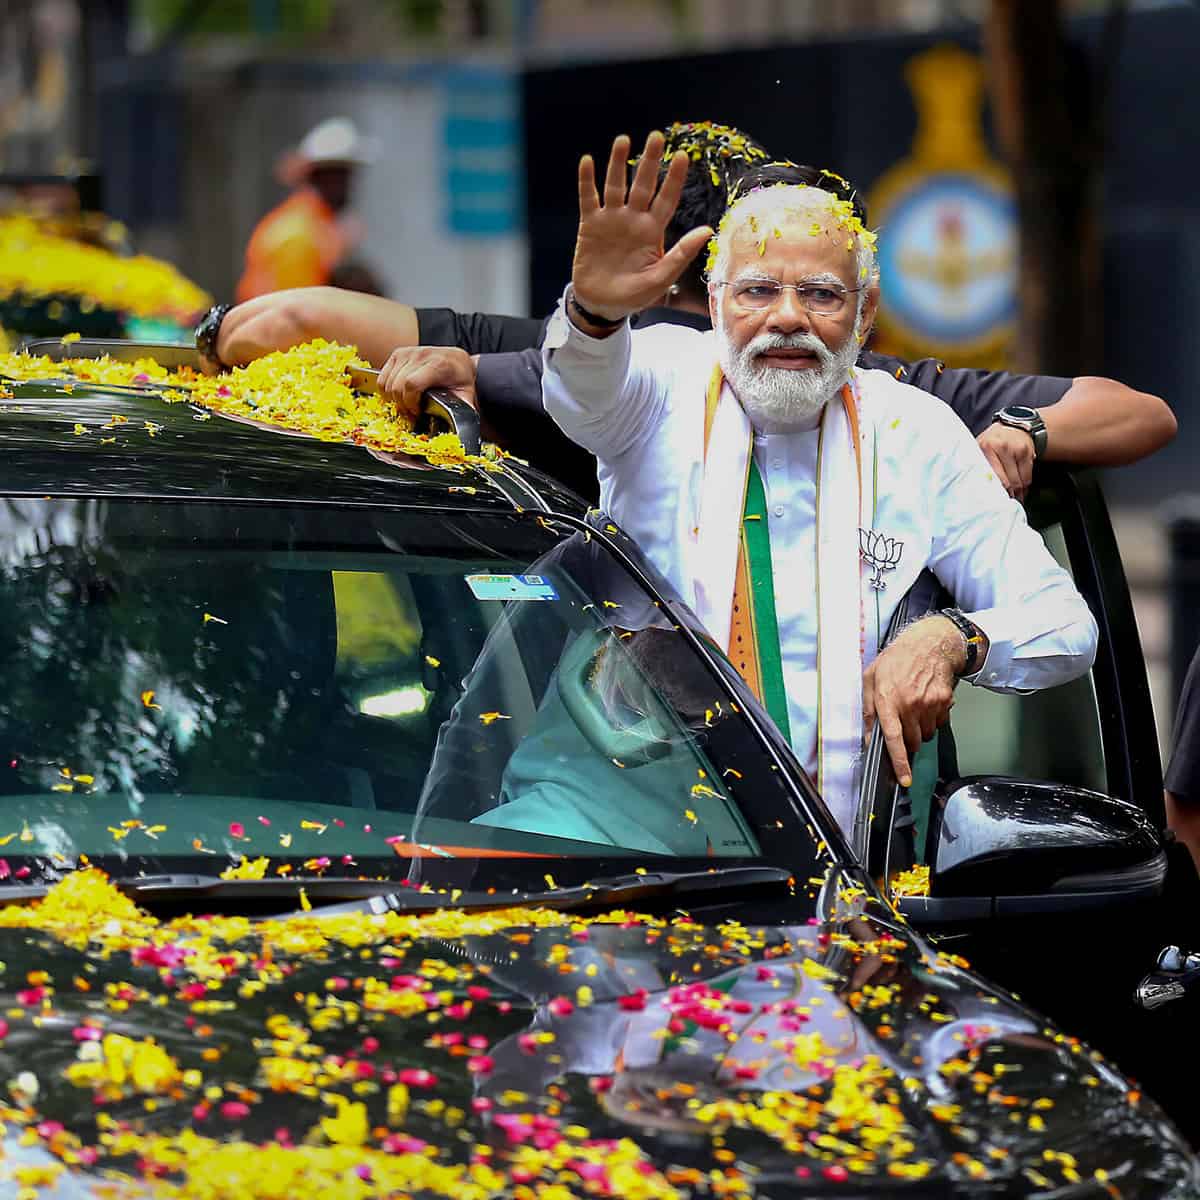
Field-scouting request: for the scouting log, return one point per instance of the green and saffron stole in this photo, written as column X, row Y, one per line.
column 752, row 641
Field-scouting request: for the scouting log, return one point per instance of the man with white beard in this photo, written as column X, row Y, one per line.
column 791, row 498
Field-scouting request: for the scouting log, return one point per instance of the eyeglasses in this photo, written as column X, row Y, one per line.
column 827, row 299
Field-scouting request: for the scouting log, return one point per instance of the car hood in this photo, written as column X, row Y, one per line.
column 472, row 1054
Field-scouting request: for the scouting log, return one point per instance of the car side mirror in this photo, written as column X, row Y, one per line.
column 1003, row 847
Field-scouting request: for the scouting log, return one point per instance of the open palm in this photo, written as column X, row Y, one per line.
column 620, row 265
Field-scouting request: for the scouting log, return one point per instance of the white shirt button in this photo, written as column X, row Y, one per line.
column 779, row 510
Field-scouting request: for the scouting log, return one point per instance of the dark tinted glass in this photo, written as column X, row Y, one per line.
column 335, row 687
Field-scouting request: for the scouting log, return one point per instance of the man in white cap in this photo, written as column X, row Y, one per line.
column 302, row 242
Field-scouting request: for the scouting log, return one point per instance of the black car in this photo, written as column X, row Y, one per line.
column 509, row 886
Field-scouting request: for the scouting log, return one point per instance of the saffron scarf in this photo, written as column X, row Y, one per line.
column 735, row 584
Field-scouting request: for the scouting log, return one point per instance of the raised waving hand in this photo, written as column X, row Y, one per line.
column 620, row 265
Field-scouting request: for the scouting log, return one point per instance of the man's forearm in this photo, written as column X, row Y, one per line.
column 1100, row 422
column 1003, row 577
column 1040, row 630
column 281, row 320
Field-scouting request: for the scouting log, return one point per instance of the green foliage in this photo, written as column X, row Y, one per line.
column 262, row 18
column 421, row 18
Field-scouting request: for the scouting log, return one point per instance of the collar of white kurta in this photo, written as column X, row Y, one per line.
column 836, row 579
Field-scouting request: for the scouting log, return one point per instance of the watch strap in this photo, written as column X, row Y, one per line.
column 973, row 638
column 207, row 332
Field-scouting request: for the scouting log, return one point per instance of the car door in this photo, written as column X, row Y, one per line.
column 1094, row 736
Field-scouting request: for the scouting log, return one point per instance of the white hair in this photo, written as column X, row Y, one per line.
column 767, row 210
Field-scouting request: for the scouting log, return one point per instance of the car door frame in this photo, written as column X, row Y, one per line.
column 1127, row 727
column 1133, row 771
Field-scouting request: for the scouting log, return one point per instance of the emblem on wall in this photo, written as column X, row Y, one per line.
column 948, row 255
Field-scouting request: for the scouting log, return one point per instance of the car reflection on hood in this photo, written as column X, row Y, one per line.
column 474, row 1054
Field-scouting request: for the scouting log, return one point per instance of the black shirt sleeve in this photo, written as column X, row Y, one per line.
column 974, row 395
column 1183, row 772
column 508, row 387
column 478, row 333
column 512, row 381
column 661, row 315
column 489, row 333
column 509, row 391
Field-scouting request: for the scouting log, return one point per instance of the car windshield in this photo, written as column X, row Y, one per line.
column 300, row 690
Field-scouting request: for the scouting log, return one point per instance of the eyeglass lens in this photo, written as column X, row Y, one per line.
column 816, row 297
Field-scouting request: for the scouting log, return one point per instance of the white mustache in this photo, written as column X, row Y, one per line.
column 790, row 341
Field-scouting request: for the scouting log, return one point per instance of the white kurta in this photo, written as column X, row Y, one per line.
column 636, row 401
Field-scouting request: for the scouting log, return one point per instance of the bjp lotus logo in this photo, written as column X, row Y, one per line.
column 879, row 553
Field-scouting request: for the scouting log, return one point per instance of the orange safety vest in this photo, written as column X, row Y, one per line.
column 297, row 244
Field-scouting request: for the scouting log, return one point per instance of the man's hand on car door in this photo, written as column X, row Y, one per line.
column 909, row 688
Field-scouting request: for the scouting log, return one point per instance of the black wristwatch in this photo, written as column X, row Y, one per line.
column 206, row 335
column 1019, row 416
column 973, row 636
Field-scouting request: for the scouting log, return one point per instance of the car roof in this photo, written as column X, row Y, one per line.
column 70, row 438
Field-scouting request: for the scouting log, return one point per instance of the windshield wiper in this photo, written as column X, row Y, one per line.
column 182, row 886
column 19, row 893
column 380, row 895
column 609, row 890
column 148, row 888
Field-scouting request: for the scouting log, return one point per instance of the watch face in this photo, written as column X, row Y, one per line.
column 1021, row 413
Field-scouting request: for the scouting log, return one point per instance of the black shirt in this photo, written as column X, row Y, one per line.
column 509, row 384
column 1183, row 773
column 477, row 333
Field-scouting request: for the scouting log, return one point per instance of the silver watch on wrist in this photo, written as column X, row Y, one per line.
column 1019, row 416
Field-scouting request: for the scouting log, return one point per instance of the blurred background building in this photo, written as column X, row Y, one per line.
column 1031, row 162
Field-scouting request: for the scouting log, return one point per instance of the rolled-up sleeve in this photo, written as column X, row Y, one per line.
column 1040, row 629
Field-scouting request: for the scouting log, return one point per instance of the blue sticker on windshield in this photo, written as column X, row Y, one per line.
column 511, row 587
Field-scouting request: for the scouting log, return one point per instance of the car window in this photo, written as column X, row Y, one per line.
column 352, row 686
column 378, row 664
column 1053, row 734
